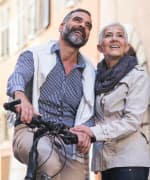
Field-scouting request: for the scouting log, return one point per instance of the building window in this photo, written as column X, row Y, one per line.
column 5, row 42
column 32, row 16
column 4, row 32
column 43, row 14
column 21, row 23
column 38, row 16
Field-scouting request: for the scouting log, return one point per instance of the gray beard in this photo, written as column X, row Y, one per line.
column 78, row 41
column 72, row 39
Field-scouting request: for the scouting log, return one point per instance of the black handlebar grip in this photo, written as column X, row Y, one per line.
column 93, row 139
column 10, row 105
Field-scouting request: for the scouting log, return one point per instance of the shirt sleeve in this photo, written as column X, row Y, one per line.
column 22, row 74
column 135, row 107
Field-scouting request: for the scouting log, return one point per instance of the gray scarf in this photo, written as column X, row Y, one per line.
column 106, row 79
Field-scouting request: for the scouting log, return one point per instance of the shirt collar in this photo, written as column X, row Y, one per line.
column 81, row 64
column 55, row 47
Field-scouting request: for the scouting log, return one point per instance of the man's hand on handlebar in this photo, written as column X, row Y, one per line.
column 25, row 109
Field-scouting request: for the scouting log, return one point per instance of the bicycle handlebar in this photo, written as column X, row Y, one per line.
column 55, row 129
column 52, row 127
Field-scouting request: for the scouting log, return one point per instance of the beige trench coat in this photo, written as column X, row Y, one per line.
column 119, row 118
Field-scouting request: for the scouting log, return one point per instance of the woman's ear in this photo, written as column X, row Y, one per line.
column 99, row 48
column 127, row 48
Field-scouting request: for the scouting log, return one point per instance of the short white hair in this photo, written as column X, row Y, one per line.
column 101, row 33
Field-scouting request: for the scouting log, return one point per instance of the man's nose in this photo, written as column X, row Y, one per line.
column 82, row 24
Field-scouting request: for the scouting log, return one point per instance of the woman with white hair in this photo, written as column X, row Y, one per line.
column 122, row 93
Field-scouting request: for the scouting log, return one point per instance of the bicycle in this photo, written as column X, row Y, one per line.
column 55, row 130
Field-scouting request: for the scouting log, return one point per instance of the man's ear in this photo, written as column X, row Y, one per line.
column 99, row 47
column 61, row 27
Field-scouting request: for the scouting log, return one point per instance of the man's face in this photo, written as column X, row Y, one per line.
column 76, row 30
column 114, row 43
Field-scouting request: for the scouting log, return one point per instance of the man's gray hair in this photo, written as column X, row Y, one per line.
column 67, row 17
column 101, row 34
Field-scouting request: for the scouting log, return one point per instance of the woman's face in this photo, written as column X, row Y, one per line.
column 114, row 44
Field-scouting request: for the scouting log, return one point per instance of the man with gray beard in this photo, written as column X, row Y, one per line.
column 56, row 81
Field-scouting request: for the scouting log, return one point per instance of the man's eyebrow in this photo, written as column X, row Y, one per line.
column 77, row 17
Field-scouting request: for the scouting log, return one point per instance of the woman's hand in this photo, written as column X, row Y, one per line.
column 84, row 137
column 84, row 129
